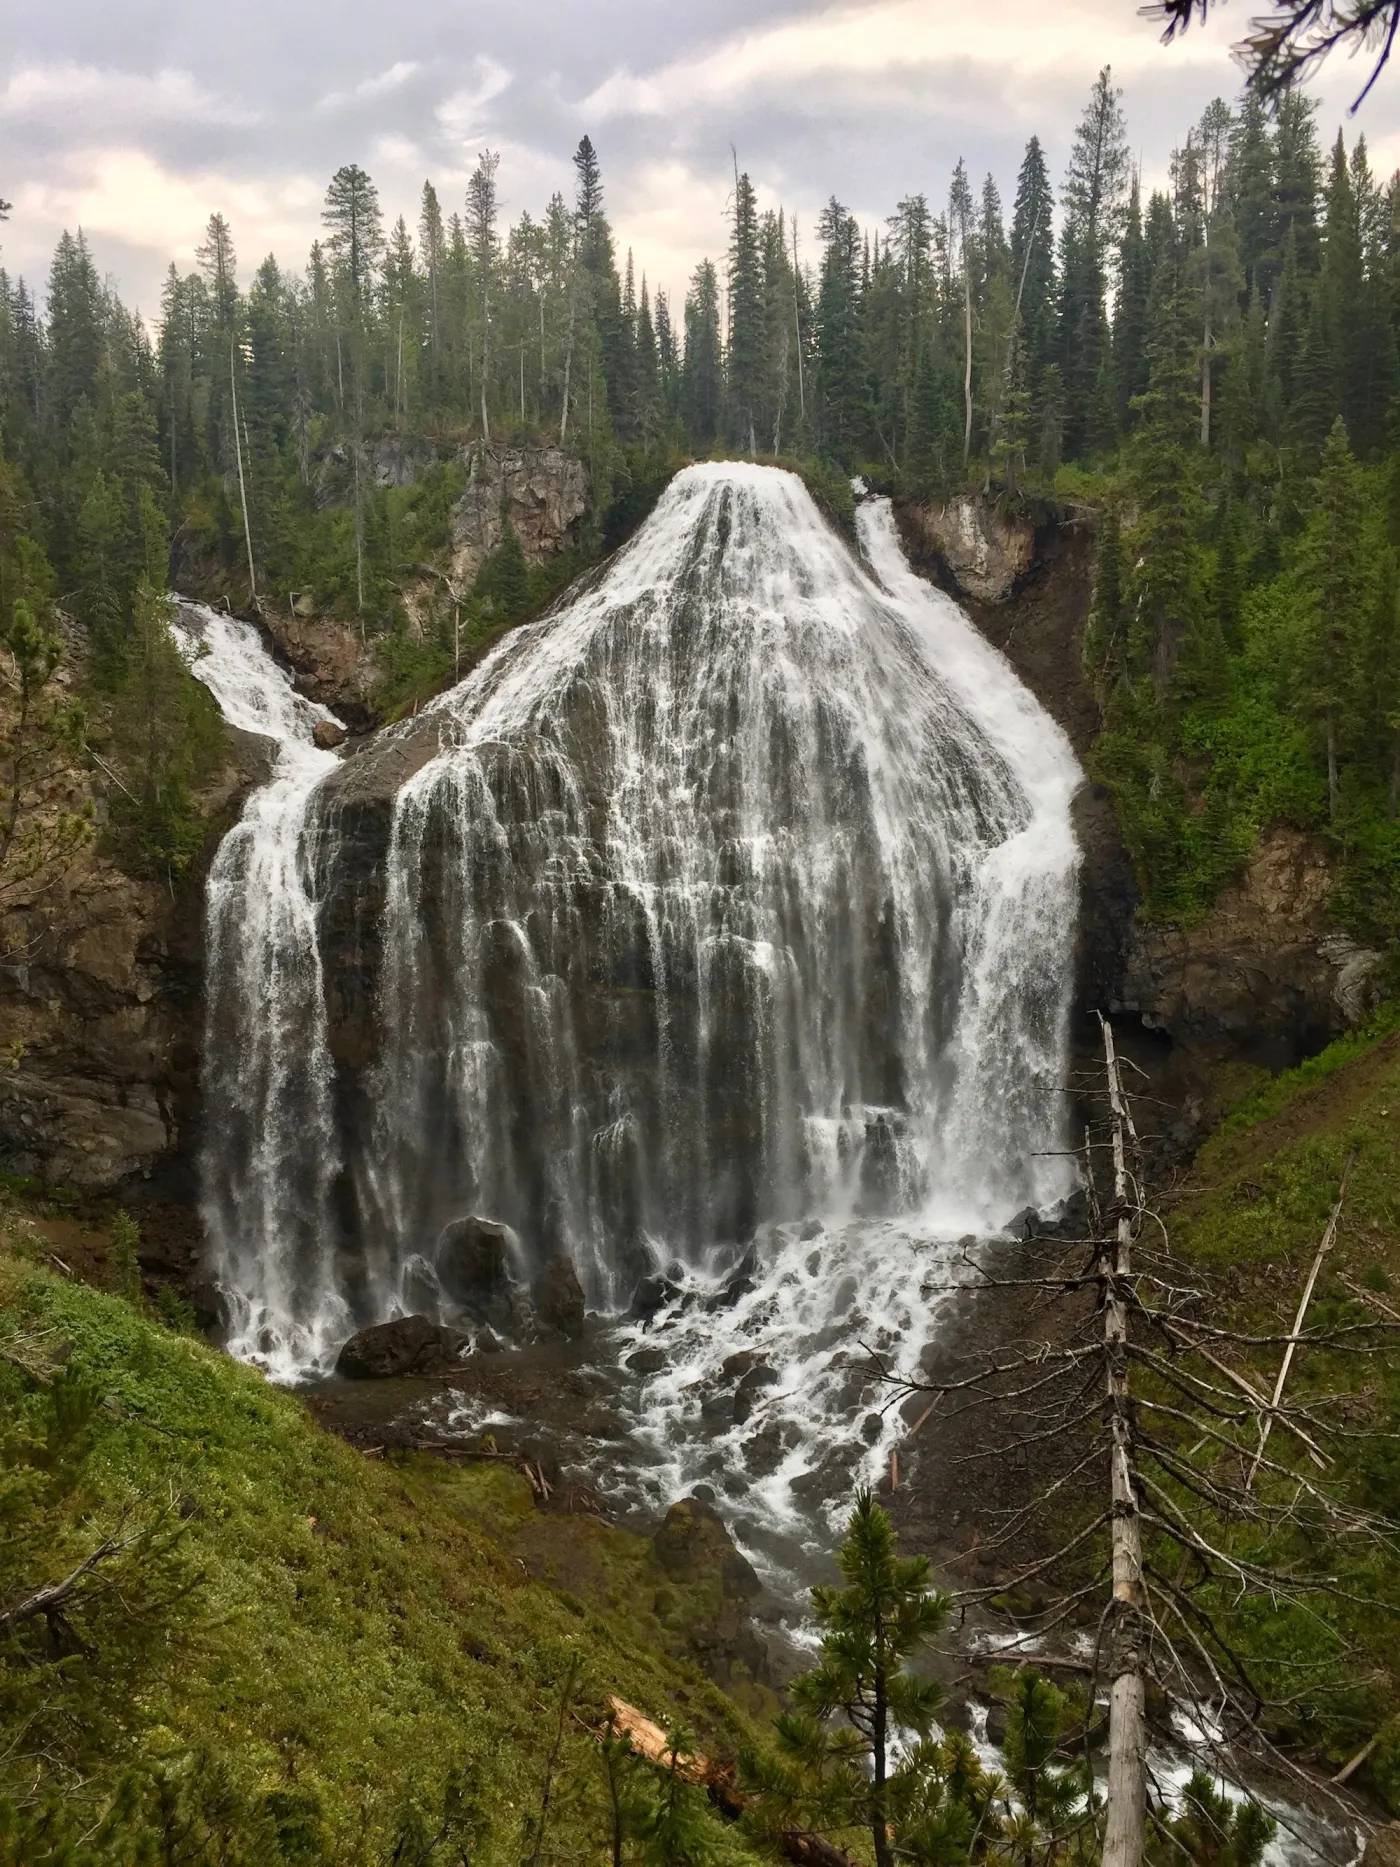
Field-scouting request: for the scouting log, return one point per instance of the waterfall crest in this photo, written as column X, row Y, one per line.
column 741, row 887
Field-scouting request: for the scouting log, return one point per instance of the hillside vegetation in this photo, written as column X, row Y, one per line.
column 296, row 1653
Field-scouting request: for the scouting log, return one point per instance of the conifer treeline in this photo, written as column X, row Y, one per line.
column 942, row 345
column 1178, row 363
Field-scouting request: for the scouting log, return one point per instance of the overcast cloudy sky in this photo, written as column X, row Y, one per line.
column 135, row 120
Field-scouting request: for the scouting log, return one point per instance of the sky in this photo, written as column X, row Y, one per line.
column 135, row 121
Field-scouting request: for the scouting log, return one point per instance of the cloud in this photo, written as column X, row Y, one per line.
column 380, row 86
column 58, row 95
column 159, row 215
column 891, row 42
column 465, row 114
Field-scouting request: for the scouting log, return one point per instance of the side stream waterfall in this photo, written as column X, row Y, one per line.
column 736, row 894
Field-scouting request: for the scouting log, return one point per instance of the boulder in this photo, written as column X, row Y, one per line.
column 647, row 1361
column 328, row 734
column 559, row 1297
column 760, row 1375
column 407, row 1345
column 474, row 1258
column 735, row 1367
column 812, row 1229
column 652, row 1295
column 693, row 1545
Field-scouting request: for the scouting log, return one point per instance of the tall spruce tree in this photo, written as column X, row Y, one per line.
column 747, row 349
column 1095, row 190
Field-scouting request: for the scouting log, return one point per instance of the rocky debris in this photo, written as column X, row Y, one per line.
column 558, row 1297
column 407, row 1345
column 647, row 1361
column 328, row 734
column 764, row 1450
column 542, row 491
column 986, row 551
column 740, row 1283
column 750, row 1389
column 475, row 1261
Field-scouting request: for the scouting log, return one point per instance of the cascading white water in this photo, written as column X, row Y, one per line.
column 739, row 889
column 267, row 1068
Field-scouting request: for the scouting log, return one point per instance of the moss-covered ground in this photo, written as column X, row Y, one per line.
column 356, row 1630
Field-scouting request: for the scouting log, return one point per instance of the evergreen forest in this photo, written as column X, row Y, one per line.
column 1209, row 374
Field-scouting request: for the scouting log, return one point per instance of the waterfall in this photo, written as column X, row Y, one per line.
column 737, row 890
column 267, row 1068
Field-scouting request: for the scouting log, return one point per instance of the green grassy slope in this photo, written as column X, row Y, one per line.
column 1261, row 1192
column 355, row 1633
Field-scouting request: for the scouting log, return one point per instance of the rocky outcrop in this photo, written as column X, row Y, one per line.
column 987, row 551
column 542, row 491
column 331, row 660
column 1265, row 977
column 407, row 1345
column 100, row 1006
column 1383, row 1847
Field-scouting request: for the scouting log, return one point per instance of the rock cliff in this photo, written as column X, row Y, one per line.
column 100, row 991
column 541, row 490
column 1265, row 977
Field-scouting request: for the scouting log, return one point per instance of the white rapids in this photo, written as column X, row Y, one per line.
column 740, row 896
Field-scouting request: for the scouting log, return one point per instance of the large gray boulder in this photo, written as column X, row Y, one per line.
column 407, row 1345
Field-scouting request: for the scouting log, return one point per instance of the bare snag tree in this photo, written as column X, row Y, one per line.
column 1193, row 1482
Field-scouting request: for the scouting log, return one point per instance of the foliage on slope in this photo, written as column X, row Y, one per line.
column 1251, row 1221
column 305, row 1655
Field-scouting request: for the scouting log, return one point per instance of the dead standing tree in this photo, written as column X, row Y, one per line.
column 1197, row 1485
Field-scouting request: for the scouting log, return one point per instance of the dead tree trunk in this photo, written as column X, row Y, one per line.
column 242, row 486
column 1125, row 1828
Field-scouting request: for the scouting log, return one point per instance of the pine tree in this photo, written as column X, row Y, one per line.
column 76, row 321
column 702, row 372
column 485, row 252
column 355, row 230
column 1253, row 207
column 1332, row 581
column 1033, row 258
column 219, row 264
column 747, row 350
column 1130, row 319
column 841, row 387
column 1096, row 184
column 885, row 1616
column 431, row 242
column 1164, row 594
